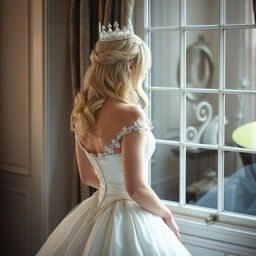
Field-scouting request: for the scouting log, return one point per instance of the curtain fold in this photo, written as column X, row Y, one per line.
column 254, row 9
column 84, row 17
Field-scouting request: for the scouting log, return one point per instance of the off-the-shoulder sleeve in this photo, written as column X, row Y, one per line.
column 138, row 125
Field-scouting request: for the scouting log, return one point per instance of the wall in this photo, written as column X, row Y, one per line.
column 21, row 132
column 36, row 146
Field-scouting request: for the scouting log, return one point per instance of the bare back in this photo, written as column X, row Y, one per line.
column 110, row 119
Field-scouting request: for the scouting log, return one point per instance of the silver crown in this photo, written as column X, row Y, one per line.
column 114, row 33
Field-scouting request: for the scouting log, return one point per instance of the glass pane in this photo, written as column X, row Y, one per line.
column 202, row 58
column 202, row 12
column 202, row 119
column 241, row 115
column 239, row 12
column 240, row 59
column 202, row 169
column 165, row 49
column 165, row 13
column 165, row 172
column 166, row 115
column 240, row 182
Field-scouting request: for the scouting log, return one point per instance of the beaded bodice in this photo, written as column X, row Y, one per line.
column 138, row 125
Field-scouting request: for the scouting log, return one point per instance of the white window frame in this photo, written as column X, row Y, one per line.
column 143, row 29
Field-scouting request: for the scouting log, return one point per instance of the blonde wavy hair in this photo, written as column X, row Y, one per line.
column 108, row 77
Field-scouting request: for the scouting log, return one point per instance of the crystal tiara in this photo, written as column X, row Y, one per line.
column 116, row 33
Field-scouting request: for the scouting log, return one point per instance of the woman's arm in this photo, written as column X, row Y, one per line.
column 86, row 170
column 133, row 163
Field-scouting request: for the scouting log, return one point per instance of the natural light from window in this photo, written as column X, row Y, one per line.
column 202, row 90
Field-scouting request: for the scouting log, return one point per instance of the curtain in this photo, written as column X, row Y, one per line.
column 84, row 17
column 254, row 9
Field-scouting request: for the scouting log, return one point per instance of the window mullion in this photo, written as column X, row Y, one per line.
column 202, row 27
column 221, row 108
column 182, row 159
column 147, row 83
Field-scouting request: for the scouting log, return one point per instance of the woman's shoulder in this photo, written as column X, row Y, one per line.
column 120, row 114
column 128, row 113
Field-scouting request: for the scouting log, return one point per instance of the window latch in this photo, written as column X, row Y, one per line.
column 213, row 217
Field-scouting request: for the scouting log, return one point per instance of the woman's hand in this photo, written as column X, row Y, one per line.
column 169, row 220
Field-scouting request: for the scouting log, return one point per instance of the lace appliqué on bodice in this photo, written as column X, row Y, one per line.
column 138, row 125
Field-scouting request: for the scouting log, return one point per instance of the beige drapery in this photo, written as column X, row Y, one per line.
column 254, row 9
column 84, row 17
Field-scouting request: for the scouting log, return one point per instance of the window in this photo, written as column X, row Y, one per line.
column 202, row 90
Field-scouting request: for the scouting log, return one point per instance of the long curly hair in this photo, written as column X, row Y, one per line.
column 108, row 77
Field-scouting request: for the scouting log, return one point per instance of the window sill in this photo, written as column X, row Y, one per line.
column 217, row 236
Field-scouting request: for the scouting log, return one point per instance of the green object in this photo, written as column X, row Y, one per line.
column 245, row 135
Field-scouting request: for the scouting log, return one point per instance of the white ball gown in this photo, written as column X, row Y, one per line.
column 110, row 223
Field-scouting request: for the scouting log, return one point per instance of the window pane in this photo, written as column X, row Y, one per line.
column 202, row 169
column 202, row 58
column 240, row 114
column 165, row 13
column 202, row 12
column 166, row 115
column 165, row 49
column 240, row 59
column 202, row 119
column 165, row 172
column 239, row 12
column 240, row 183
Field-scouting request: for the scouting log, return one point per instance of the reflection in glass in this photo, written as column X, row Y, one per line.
column 202, row 120
column 166, row 13
column 165, row 49
column 199, row 67
column 240, row 59
column 202, row 12
column 166, row 115
column 240, row 110
column 240, row 183
column 202, row 59
column 201, row 177
column 239, row 12
column 165, row 172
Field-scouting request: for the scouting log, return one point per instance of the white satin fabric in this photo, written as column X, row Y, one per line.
column 110, row 223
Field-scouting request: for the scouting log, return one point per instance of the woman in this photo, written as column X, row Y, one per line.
column 113, row 145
